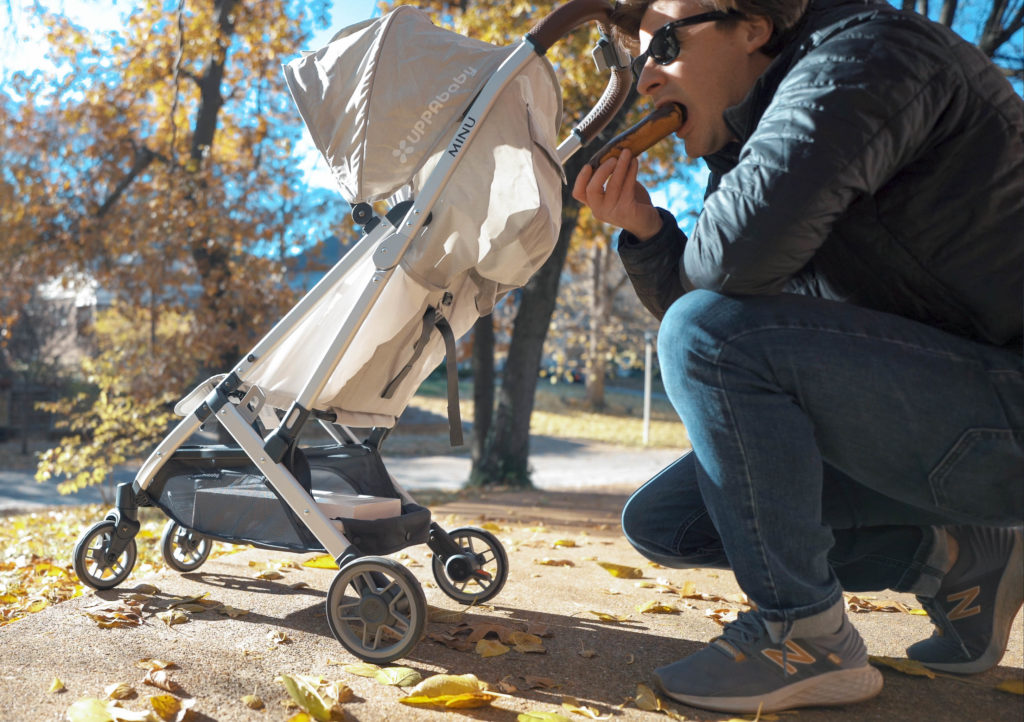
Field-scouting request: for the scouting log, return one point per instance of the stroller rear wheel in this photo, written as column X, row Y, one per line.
column 376, row 609
column 184, row 549
column 476, row 574
column 95, row 565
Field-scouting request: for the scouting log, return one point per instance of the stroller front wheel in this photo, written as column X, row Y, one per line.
column 94, row 563
column 184, row 549
column 376, row 609
column 476, row 574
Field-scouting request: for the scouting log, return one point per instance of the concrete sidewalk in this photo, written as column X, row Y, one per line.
column 554, row 542
column 558, row 464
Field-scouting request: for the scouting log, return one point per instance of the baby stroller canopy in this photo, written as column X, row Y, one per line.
column 384, row 102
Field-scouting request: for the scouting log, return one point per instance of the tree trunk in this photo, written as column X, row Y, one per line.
column 506, row 458
column 483, row 386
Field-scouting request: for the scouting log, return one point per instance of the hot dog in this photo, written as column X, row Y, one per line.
column 662, row 122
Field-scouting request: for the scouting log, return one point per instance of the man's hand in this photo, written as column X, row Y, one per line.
column 616, row 197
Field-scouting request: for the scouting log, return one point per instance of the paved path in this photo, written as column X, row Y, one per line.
column 558, row 464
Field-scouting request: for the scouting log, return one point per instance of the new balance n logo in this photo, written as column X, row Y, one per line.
column 795, row 654
column 963, row 607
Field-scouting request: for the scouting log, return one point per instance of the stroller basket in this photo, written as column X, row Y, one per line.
column 218, row 492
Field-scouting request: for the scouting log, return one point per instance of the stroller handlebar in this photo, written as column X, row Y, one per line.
column 562, row 21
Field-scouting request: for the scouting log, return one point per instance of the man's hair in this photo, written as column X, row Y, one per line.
column 784, row 14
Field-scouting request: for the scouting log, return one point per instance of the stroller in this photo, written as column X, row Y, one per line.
column 458, row 136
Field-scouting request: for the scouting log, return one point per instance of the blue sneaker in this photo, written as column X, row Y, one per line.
column 744, row 671
column 976, row 602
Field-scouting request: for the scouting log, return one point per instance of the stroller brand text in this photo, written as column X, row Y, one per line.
column 407, row 145
column 460, row 137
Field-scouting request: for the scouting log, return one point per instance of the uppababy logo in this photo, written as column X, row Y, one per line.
column 407, row 145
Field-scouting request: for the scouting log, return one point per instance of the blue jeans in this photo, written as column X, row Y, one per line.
column 828, row 441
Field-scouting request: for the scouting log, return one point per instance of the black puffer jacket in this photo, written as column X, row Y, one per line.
column 880, row 162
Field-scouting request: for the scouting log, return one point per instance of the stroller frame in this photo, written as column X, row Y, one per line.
column 389, row 602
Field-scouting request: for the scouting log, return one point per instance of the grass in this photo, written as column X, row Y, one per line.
column 560, row 411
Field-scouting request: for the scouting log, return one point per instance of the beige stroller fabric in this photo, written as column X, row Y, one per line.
column 382, row 102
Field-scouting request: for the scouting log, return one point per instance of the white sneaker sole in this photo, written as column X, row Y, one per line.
column 844, row 686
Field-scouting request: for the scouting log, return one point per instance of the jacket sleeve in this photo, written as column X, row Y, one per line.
column 847, row 115
column 653, row 265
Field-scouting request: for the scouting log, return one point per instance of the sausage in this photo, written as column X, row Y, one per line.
column 662, row 122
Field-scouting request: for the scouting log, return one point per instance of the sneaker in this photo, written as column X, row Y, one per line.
column 744, row 671
column 976, row 602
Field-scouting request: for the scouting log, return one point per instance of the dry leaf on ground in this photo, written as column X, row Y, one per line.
column 907, row 666
column 621, row 570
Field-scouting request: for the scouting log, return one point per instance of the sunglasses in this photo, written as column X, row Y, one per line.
column 664, row 46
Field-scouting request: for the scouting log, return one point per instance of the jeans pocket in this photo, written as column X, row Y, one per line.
column 982, row 476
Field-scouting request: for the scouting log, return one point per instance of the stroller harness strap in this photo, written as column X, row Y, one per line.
column 432, row 319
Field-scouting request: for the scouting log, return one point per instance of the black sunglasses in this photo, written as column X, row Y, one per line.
column 664, row 45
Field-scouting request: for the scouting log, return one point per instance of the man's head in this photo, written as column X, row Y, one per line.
column 708, row 62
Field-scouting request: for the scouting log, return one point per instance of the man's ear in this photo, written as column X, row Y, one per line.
column 757, row 30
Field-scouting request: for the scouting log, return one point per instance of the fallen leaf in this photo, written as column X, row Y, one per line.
column 161, row 679
column 605, row 617
column 541, row 717
column 622, row 571
column 121, row 690
column 306, row 696
column 572, row 705
column 89, row 710
column 563, row 543
column 448, row 684
column 547, row 562
column 229, row 611
column 362, row 669
column 653, row 607
column 253, row 702
column 646, row 699
column 150, row 663
column 146, row 589
column 171, row 709
column 172, row 617
column 277, row 636
column 526, row 643
column 1013, row 686
column 57, row 685
column 444, row 616
column 270, row 575
column 490, row 648
column 116, row 615
column 907, row 666
column 324, row 561
column 398, row 677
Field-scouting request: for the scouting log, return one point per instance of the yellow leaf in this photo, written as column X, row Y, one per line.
column 398, row 677
column 363, row 669
column 573, row 705
column 305, row 695
column 120, row 690
column 444, row 616
column 490, row 648
column 622, row 571
column 918, row 612
column 533, row 716
column 907, row 666
column 150, row 663
column 605, row 617
column 171, row 709
column 270, row 575
column 562, row 543
column 653, row 607
column 89, row 710
column 491, row 526
column 448, row 684
column 468, row 700
column 253, row 702
column 646, row 699
column 1013, row 686
column 172, row 617
column 56, row 685
column 548, row 562
column 324, row 561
